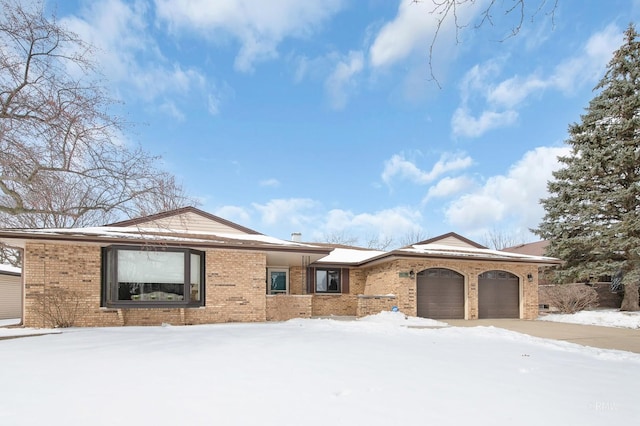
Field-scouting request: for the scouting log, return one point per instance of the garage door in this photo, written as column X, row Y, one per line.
column 498, row 295
column 440, row 294
column 10, row 296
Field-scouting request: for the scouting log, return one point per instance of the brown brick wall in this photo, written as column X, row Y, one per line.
column 386, row 279
column 48, row 267
column 297, row 280
column 357, row 280
column 234, row 286
column 334, row 304
column 283, row 307
column 371, row 305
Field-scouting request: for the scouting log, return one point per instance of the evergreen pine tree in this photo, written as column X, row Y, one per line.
column 592, row 215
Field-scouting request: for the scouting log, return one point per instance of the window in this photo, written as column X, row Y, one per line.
column 143, row 276
column 277, row 281
column 327, row 280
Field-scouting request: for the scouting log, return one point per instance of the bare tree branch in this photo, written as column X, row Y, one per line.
column 62, row 161
column 448, row 11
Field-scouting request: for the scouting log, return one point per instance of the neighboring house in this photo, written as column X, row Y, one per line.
column 189, row 267
column 10, row 292
column 536, row 248
column 610, row 294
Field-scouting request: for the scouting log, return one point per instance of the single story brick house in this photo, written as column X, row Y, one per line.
column 10, row 292
column 190, row 267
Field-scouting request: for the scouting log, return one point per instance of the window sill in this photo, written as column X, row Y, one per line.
column 150, row 305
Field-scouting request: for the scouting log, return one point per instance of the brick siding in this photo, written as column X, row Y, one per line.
column 234, row 288
column 386, row 279
column 334, row 304
column 371, row 305
column 282, row 307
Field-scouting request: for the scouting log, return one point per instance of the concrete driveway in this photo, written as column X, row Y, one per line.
column 623, row 339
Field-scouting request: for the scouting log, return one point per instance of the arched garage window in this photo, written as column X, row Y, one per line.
column 148, row 276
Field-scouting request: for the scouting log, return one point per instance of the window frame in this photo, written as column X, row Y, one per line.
column 327, row 291
column 275, row 269
column 109, row 284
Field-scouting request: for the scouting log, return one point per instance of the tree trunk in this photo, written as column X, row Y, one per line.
column 630, row 300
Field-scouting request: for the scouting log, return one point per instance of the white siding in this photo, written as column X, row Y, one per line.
column 10, row 296
column 453, row 242
column 190, row 221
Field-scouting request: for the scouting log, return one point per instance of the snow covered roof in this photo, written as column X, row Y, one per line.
column 194, row 228
column 133, row 234
column 350, row 256
column 470, row 252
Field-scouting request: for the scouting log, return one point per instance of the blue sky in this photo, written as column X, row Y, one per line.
column 321, row 117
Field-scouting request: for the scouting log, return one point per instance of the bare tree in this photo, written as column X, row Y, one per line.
column 499, row 239
column 379, row 242
column 64, row 160
column 517, row 10
column 341, row 238
column 412, row 237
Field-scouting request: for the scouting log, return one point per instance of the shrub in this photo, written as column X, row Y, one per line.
column 571, row 298
column 59, row 307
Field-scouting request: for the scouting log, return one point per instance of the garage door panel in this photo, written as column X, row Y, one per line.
column 498, row 295
column 440, row 294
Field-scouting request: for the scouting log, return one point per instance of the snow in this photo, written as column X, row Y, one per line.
column 398, row 318
column 444, row 249
column 156, row 234
column 342, row 255
column 602, row 317
column 9, row 321
column 374, row 371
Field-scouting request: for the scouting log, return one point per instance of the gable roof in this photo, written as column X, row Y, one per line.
column 454, row 246
column 450, row 239
column 188, row 219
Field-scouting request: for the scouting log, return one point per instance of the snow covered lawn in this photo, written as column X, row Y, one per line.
column 603, row 317
column 312, row 372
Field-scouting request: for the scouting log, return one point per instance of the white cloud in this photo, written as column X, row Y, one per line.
column 236, row 214
column 413, row 29
column 170, row 108
column 128, row 56
column 292, row 211
column 270, row 182
column 588, row 66
column 512, row 197
column 399, row 166
column 500, row 100
column 465, row 124
column 259, row 28
column 449, row 186
column 213, row 104
column 512, row 92
column 385, row 223
column 341, row 79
